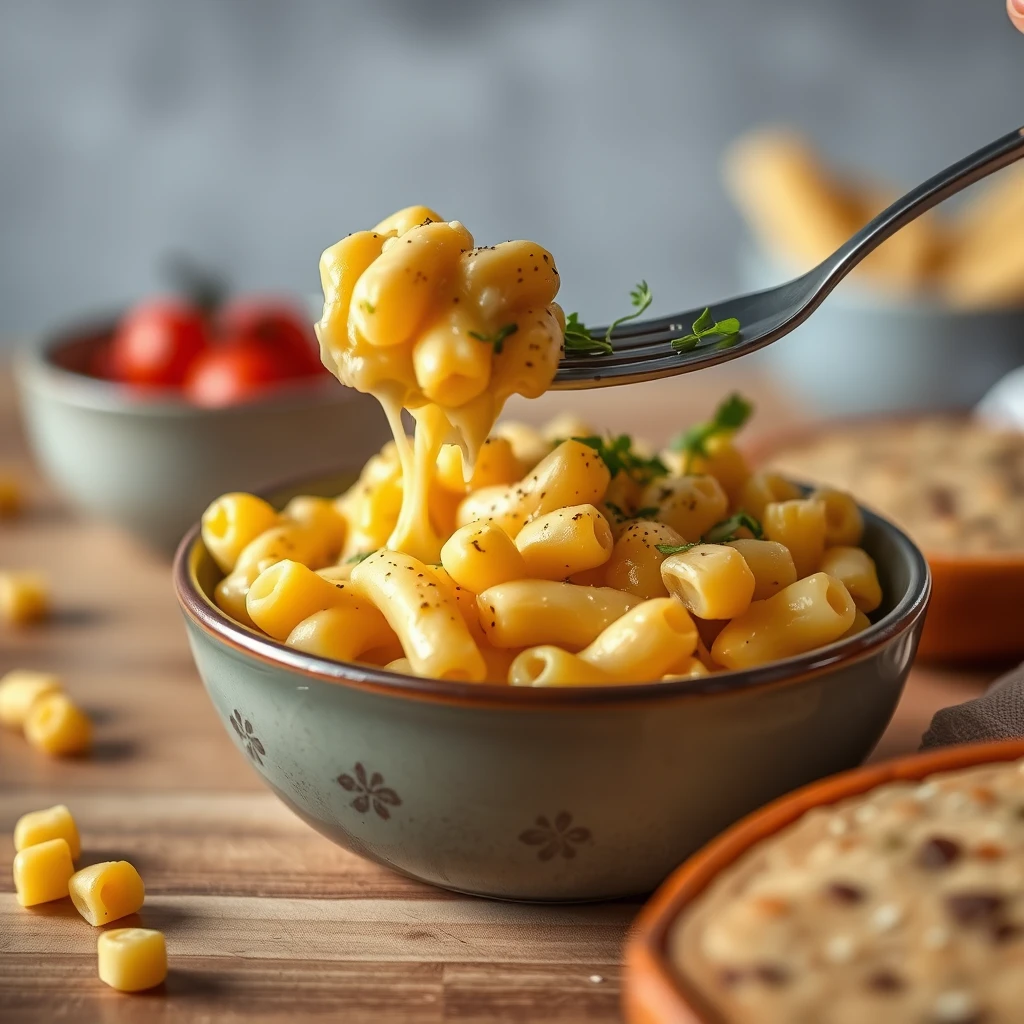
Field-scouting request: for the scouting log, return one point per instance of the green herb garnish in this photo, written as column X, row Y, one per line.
column 728, row 418
column 728, row 529
column 578, row 337
column 705, row 326
column 618, row 455
column 361, row 557
column 622, row 516
column 497, row 339
column 369, row 307
column 675, row 549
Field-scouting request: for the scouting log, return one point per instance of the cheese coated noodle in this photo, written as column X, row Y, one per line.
column 800, row 526
column 233, row 521
column 433, row 634
column 844, row 525
column 563, row 542
column 808, row 614
column 644, row 643
column 635, row 562
column 770, row 562
column 553, row 666
column 482, row 555
column 691, row 505
column 854, row 568
column 287, row 592
column 712, row 581
column 529, row 613
column 346, row 633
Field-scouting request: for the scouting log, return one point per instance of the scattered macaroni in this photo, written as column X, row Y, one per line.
column 57, row 726
column 19, row 690
column 503, row 553
column 41, row 826
column 106, row 892
column 132, row 959
column 42, row 872
column 24, row 598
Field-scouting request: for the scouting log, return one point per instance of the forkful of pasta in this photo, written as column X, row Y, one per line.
column 633, row 350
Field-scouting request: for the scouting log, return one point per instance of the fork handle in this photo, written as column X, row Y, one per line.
column 953, row 179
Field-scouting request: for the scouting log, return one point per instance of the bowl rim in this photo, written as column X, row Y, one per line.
column 768, row 445
column 200, row 610
column 35, row 369
column 654, row 993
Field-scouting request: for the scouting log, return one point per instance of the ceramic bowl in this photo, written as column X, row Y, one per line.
column 546, row 794
column 865, row 352
column 152, row 463
column 975, row 610
column 655, row 993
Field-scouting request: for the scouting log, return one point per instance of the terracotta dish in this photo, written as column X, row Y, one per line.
column 657, row 993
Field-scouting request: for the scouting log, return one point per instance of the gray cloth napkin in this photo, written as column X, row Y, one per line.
column 997, row 715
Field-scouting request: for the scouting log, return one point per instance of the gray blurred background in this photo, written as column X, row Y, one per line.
column 254, row 134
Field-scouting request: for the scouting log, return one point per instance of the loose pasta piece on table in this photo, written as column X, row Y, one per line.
column 532, row 613
column 131, row 959
column 41, row 826
column 815, row 611
column 799, row 525
column 770, row 562
column 19, row 690
column 645, row 642
column 42, row 872
column 106, row 892
column 855, row 569
column 563, row 542
column 24, row 597
column 56, row 725
column 713, row 581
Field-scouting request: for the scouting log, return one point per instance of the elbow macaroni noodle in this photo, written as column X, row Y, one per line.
column 507, row 554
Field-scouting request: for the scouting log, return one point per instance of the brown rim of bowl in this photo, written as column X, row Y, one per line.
column 201, row 611
column 763, row 449
column 37, row 367
column 668, row 997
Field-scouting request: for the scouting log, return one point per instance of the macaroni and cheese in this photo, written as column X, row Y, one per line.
column 504, row 554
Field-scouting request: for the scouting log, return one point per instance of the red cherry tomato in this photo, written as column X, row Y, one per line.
column 155, row 344
column 233, row 372
column 276, row 324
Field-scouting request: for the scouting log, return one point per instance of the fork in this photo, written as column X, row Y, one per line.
column 642, row 349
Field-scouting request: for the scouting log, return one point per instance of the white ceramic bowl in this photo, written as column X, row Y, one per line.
column 151, row 464
column 865, row 352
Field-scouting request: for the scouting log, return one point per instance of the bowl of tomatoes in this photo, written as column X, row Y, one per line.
column 142, row 419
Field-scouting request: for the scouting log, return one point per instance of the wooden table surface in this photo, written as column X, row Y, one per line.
column 264, row 918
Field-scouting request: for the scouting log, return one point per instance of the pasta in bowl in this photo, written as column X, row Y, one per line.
column 564, row 662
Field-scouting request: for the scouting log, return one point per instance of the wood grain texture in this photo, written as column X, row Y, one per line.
column 265, row 919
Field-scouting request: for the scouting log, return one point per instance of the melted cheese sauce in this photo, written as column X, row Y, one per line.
column 417, row 316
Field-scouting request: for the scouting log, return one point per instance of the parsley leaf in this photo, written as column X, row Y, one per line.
column 728, row 529
column 675, row 549
column 497, row 339
column 618, row 455
column 705, row 326
column 622, row 516
column 361, row 557
column 578, row 337
column 727, row 419
column 721, row 532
